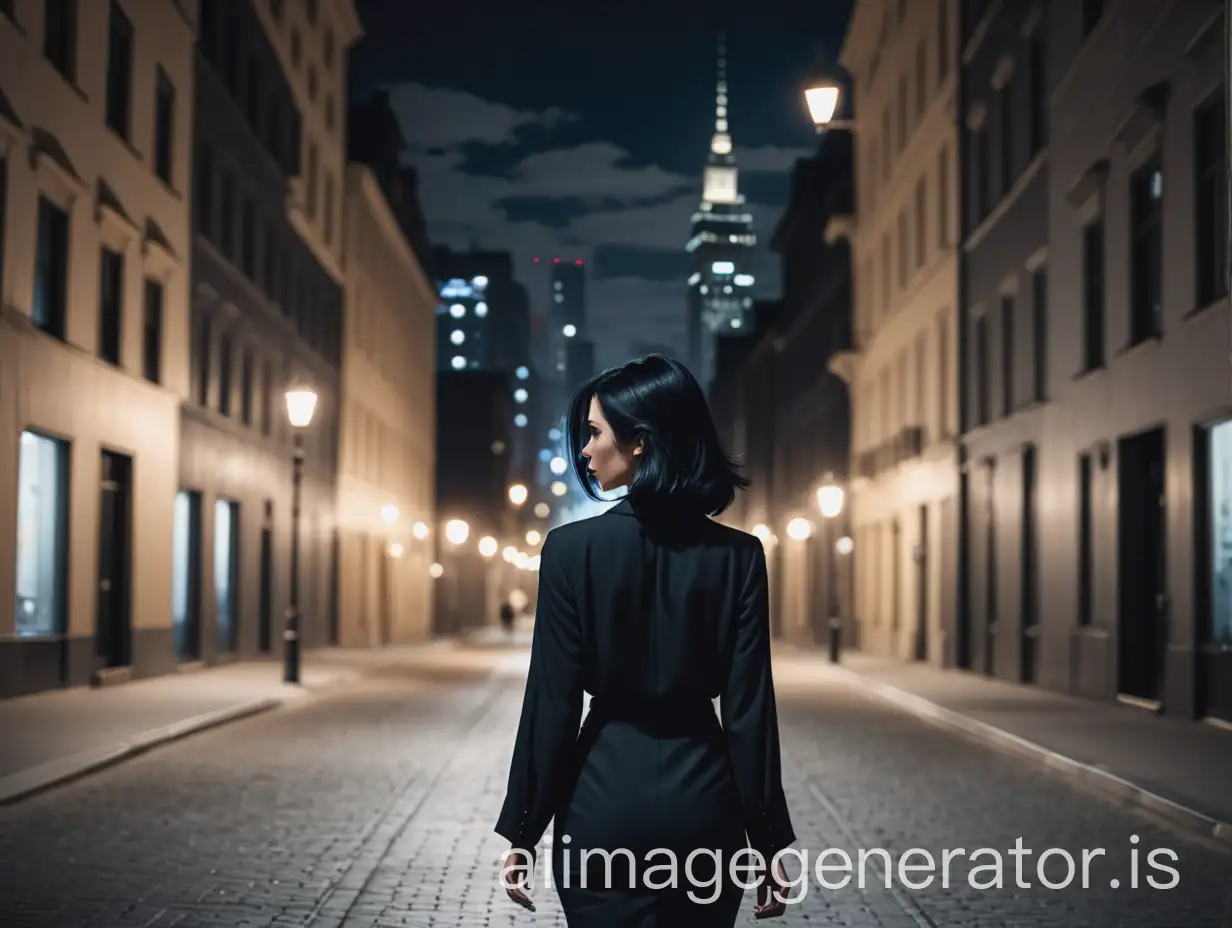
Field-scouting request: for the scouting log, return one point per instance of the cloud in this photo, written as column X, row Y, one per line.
column 438, row 117
column 594, row 171
column 769, row 159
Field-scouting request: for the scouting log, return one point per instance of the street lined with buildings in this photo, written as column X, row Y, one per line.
column 373, row 805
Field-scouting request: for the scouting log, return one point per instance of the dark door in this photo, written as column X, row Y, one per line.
column 1028, row 590
column 112, row 629
column 265, row 604
column 1142, row 638
column 186, row 611
column 958, row 524
column 922, row 591
column 1213, row 551
column 896, row 585
column 990, row 569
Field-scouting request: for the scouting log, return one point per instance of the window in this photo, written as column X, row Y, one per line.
column 904, row 250
column 270, row 270
column 921, row 222
column 110, row 305
column 1007, row 137
column 152, row 333
column 1093, row 295
column 1211, row 209
column 1146, row 188
column 164, row 127
column 4, row 196
column 119, row 70
column 60, row 36
column 228, row 215
column 328, row 49
column 943, row 206
column 312, row 83
column 295, row 47
column 328, row 194
column 1037, row 130
column 311, row 180
column 51, row 269
column 267, row 399
column 902, row 112
column 1092, row 13
column 203, row 204
column 248, row 239
column 887, row 142
column 943, row 41
column 943, row 374
column 226, row 570
column 42, row 536
column 921, row 79
column 983, row 173
column 312, row 12
column 1039, row 334
column 1086, row 539
column 207, row 29
column 1218, row 629
column 224, row 376
column 246, row 386
column 202, row 355
column 981, row 370
column 233, row 49
column 1007, row 355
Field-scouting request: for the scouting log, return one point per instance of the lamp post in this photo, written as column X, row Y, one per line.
column 822, row 94
column 301, row 404
column 830, row 502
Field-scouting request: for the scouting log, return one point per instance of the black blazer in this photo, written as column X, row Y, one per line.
column 666, row 613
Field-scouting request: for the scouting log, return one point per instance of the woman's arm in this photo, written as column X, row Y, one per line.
column 551, row 707
column 750, row 718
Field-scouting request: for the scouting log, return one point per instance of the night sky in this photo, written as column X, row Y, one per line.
column 576, row 132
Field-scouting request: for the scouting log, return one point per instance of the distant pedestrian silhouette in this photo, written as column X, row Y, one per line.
column 506, row 618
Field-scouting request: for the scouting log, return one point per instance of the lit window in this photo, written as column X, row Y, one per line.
column 458, row 362
column 522, row 372
column 520, row 420
column 457, row 310
column 457, row 336
column 481, row 309
column 42, row 540
column 520, row 395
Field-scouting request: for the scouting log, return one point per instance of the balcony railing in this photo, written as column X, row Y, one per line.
column 908, row 443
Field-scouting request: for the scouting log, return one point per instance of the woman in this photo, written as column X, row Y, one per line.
column 655, row 610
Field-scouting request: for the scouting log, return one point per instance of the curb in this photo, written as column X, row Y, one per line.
column 1092, row 775
column 36, row 779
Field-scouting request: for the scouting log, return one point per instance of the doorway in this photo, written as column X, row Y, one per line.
column 1028, row 569
column 896, row 583
column 990, row 568
column 1213, row 513
column 922, row 590
column 383, row 606
column 1142, row 635
column 265, row 602
column 113, row 620
column 186, row 590
column 226, row 566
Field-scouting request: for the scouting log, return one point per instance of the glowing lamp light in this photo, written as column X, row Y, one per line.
column 457, row 336
column 559, row 488
column 722, row 267
column 479, row 281
column 457, row 531
column 570, row 330
column 522, row 372
column 487, row 546
column 458, row 362
column 518, row 494
column 420, row 530
column 799, row 529
column 481, row 309
column 821, row 95
column 543, row 510
column 435, row 571
column 389, row 513
column 301, row 404
column 532, row 537
column 510, row 553
column 558, row 465
column 844, row 545
column 457, row 310
column 522, row 560
column 520, row 395
column 396, row 550
column 520, row 420
column 830, row 500
column 533, row 563
column 762, row 532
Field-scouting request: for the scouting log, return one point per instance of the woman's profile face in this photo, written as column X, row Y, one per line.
column 612, row 464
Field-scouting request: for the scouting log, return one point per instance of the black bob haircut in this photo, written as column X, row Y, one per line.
column 683, row 469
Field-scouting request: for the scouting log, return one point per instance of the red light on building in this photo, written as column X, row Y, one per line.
column 579, row 261
column 536, row 260
column 556, row 260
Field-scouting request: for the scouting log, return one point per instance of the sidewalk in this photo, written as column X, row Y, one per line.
column 55, row 736
column 1180, row 769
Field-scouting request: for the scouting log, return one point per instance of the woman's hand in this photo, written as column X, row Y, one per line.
column 771, row 893
column 516, row 875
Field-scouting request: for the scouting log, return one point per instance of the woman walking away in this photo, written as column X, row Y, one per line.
column 655, row 609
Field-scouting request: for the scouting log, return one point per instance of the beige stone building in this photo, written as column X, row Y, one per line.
column 312, row 38
column 386, row 463
column 902, row 372
column 95, row 163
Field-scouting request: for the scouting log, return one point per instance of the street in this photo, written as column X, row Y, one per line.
column 373, row 807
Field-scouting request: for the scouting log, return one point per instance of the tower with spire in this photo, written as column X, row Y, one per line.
column 720, row 247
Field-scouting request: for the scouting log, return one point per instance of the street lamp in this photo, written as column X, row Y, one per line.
column 830, row 503
column 487, row 546
column 301, row 404
column 822, row 94
column 518, row 494
column 457, row 531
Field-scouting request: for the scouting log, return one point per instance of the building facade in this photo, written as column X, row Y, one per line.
column 267, row 314
column 720, row 247
column 95, row 171
column 387, row 458
column 902, row 369
column 1128, row 524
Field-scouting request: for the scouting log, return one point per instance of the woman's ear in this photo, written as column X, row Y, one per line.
column 639, row 447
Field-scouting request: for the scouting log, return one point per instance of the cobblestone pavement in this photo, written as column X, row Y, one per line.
column 374, row 808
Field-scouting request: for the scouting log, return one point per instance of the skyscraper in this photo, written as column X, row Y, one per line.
column 567, row 313
column 721, row 246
